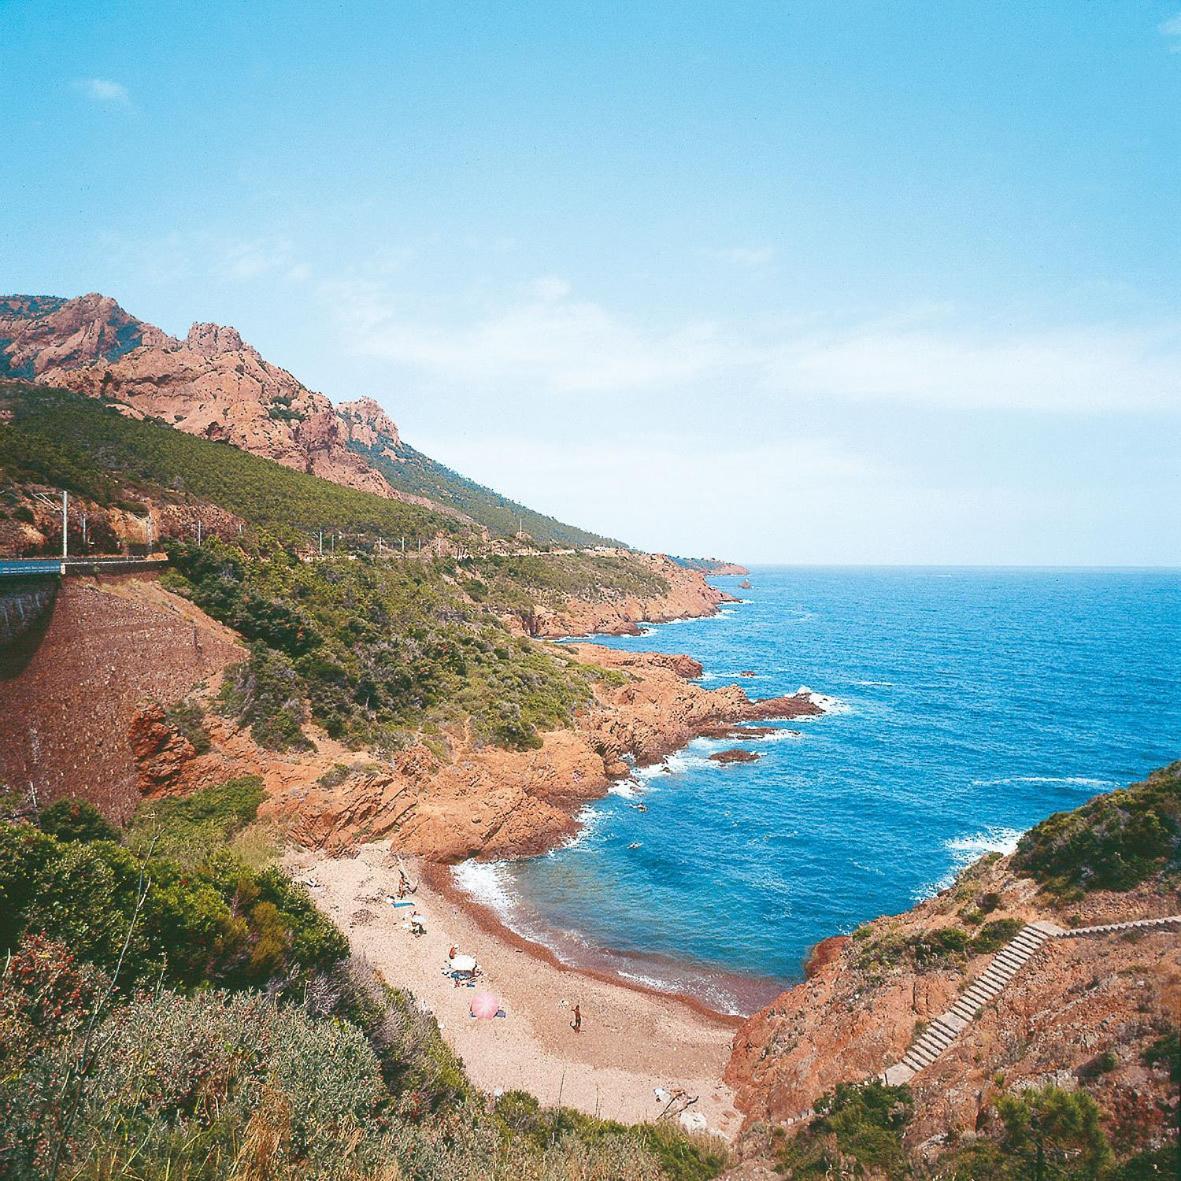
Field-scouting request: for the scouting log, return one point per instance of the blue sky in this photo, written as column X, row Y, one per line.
column 872, row 282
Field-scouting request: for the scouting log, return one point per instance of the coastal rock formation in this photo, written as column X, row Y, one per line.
column 161, row 753
column 1081, row 1010
column 688, row 596
column 492, row 803
column 735, row 756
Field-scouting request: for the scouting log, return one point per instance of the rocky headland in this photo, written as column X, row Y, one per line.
column 137, row 648
column 1082, row 1012
column 467, row 799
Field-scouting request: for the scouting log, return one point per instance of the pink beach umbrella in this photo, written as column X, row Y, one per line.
column 485, row 1006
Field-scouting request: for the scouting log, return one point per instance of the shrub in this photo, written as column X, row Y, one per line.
column 265, row 694
column 188, row 719
column 192, row 828
column 1115, row 842
column 994, row 935
column 856, row 1127
column 75, row 820
column 1166, row 1051
column 193, row 926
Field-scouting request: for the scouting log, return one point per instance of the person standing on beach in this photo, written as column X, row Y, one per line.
column 576, row 1024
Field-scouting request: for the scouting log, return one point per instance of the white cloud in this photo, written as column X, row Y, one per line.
column 545, row 341
column 103, row 90
column 752, row 257
column 1171, row 31
column 253, row 257
column 550, row 288
column 1086, row 368
column 930, row 357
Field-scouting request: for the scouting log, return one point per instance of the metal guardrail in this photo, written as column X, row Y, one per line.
column 43, row 567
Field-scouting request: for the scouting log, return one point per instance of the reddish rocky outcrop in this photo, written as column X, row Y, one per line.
column 687, row 596
column 368, row 425
column 162, row 754
column 863, row 998
column 735, row 756
column 39, row 334
column 212, row 384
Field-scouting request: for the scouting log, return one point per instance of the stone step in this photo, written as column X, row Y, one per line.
column 932, row 1047
column 1007, row 959
column 1023, row 948
column 952, row 1022
column 931, row 1042
column 898, row 1075
column 1021, row 953
column 989, row 985
column 935, row 1033
column 946, row 1028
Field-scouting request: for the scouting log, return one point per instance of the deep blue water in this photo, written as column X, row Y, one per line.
column 972, row 703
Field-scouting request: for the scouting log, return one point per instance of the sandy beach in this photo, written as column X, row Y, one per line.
column 631, row 1041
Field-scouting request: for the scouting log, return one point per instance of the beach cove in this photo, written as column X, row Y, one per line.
column 963, row 706
column 631, row 1043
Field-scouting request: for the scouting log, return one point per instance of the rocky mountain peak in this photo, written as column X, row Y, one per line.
column 368, row 425
column 42, row 333
column 212, row 339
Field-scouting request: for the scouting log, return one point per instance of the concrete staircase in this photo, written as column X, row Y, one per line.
column 944, row 1029
column 1173, row 920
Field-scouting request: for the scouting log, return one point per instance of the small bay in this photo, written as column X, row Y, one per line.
column 969, row 704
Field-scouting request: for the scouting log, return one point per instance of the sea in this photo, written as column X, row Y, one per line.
column 962, row 707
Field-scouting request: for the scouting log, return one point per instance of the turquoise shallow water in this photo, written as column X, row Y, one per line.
column 970, row 705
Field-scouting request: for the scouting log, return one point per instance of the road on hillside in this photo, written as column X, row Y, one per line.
column 24, row 567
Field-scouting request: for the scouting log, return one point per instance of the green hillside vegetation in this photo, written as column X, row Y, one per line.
column 516, row 585
column 196, row 1020
column 858, row 1131
column 1115, row 842
column 379, row 650
column 65, row 439
column 420, row 475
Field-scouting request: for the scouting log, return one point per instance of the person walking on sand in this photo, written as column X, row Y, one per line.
column 576, row 1024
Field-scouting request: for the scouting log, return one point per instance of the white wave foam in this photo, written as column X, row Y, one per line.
column 875, row 870
column 995, row 839
column 777, row 735
column 485, row 881
column 830, row 705
column 624, row 788
column 1068, row 780
column 968, row 848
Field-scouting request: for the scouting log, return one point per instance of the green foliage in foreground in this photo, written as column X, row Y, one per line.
column 1115, row 842
column 193, row 829
column 939, row 947
column 76, row 820
column 198, row 1058
column 856, row 1127
column 1046, row 1133
column 377, row 650
column 217, row 922
column 65, row 439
